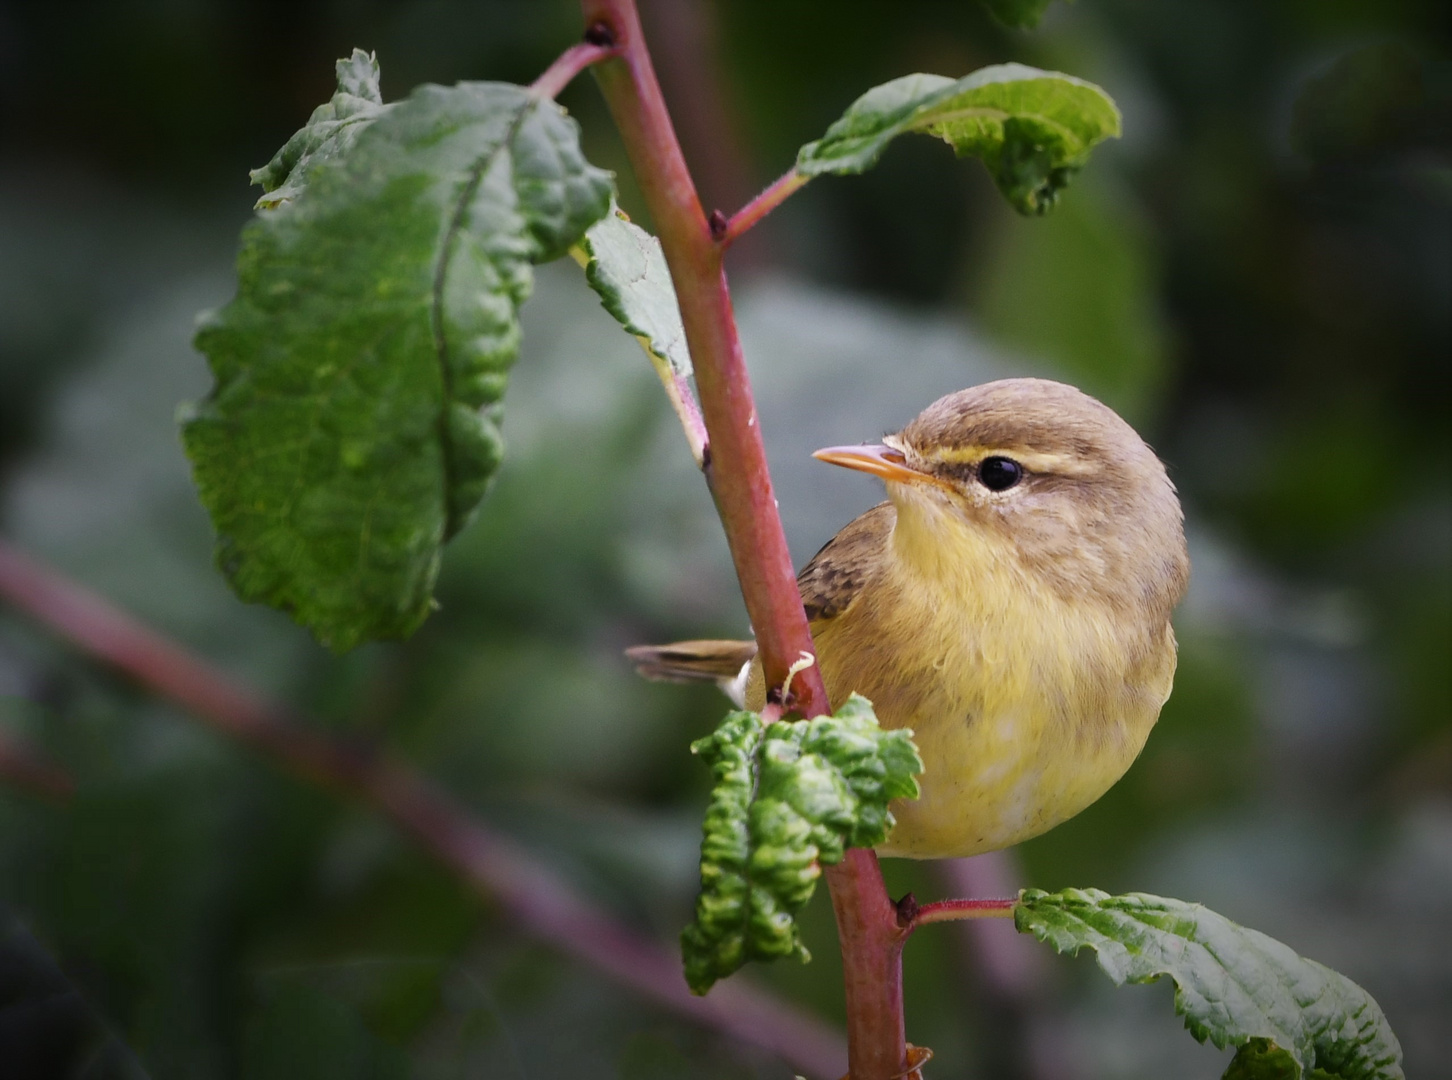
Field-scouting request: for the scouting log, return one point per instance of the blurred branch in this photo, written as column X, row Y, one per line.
column 535, row 899
column 1010, row 976
column 687, row 47
column 21, row 767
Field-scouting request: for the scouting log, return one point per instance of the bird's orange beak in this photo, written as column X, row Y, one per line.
column 878, row 459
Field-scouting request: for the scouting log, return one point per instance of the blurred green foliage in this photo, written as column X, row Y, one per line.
column 1262, row 280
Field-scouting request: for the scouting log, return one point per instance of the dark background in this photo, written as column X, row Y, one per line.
column 1259, row 276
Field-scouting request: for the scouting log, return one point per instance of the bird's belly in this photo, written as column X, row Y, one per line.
column 1013, row 740
column 993, row 780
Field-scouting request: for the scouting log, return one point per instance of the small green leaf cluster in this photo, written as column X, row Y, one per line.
column 788, row 798
column 1033, row 129
column 1288, row 1016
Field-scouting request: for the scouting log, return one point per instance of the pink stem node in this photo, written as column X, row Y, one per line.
column 598, row 45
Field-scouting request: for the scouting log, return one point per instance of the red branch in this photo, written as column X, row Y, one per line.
column 741, row 484
column 534, row 898
column 780, row 190
column 571, row 62
column 737, row 468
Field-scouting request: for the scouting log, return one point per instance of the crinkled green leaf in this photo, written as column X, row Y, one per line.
column 1033, row 129
column 627, row 267
column 1019, row 14
column 1261, row 1059
column 1289, row 1016
column 788, row 798
column 354, row 425
column 329, row 132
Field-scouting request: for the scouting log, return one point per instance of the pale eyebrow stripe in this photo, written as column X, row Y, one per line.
column 1033, row 460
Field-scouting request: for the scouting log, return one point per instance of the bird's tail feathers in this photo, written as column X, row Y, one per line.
column 724, row 663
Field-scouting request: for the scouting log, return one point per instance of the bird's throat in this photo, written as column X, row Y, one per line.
column 936, row 547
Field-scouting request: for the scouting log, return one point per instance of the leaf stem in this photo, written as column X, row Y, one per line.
column 737, row 473
column 683, row 401
column 777, row 193
column 570, row 63
column 532, row 896
column 953, row 910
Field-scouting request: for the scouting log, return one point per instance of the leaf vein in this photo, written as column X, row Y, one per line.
column 445, row 434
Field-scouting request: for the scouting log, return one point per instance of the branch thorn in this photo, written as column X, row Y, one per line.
column 907, row 910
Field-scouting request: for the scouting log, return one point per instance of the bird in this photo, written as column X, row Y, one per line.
column 1010, row 603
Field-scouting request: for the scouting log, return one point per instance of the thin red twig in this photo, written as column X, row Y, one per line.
column 950, row 910
column 571, row 62
column 780, row 190
column 535, row 899
column 737, row 472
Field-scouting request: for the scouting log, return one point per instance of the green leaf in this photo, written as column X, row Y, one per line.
column 788, row 798
column 1018, row 14
column 1033, row 129
column 329, row 133
column 627, row 267
column 354, row 425
column 1235, row 987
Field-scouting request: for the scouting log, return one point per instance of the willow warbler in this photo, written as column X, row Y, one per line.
column 1010, row 603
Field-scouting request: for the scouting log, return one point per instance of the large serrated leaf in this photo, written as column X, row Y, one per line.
column 1288, row 1016
column 354, row 425
column 788, row 798
column 627, row 267
column 1033, row 129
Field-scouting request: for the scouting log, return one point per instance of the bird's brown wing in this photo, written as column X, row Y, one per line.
column 828, row 583
column 832, row 579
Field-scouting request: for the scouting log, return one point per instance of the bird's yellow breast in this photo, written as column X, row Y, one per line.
column 1026, row 705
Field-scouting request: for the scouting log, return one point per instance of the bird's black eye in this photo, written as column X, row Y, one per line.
column 999, row 473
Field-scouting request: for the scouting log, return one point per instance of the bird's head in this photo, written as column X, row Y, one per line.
column 1050, row 474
